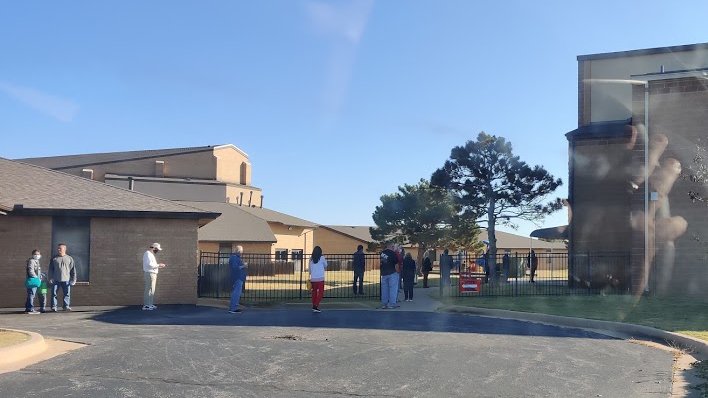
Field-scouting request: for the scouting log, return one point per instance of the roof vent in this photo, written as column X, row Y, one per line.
column 87, row 173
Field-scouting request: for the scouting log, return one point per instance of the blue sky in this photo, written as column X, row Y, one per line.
column 318, row 93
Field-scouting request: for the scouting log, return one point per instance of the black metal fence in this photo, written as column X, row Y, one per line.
column 553, row 274
column 273, row 278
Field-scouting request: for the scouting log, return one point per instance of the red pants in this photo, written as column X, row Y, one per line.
column 317, row 293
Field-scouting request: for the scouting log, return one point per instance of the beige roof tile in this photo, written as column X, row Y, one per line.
column 37, row 188
column 233, row 225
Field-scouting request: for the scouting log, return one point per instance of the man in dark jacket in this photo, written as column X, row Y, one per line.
column 359, row 266
column 427, row 267
column 389, row 278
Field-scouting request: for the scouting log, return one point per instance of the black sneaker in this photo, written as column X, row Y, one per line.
column 316, row 310
column 236, row 311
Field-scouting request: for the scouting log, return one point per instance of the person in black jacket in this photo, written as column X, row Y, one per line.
column 358, row 265
column 427, row 267
column 408, row 276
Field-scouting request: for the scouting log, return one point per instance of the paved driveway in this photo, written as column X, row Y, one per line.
column 205, row 352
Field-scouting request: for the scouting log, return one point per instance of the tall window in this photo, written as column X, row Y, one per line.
column 75, row 232
column 244, row 174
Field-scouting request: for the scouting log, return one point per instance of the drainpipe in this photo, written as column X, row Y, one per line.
column 646, row 187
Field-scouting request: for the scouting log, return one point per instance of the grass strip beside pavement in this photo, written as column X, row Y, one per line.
column 681, row 315
column 8, row 338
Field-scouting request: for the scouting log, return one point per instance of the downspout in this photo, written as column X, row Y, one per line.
column 646, row 187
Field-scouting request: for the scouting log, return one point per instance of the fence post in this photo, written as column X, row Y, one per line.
column 302, row 267
column 589, row 276
column 516, row 274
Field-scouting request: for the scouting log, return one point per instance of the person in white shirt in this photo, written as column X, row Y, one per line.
column 150, row 268
column 318, row 264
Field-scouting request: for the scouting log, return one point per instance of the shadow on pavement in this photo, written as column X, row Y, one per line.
column 349, row 319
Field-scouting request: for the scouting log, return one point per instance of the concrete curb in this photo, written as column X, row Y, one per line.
column 688, row 343
column 18, row 352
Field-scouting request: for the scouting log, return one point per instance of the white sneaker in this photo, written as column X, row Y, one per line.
column 154, row 307
column 147, row 308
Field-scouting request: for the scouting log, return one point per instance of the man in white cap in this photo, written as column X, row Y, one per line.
column 150, row 268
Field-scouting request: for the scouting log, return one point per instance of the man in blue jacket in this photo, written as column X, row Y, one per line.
column 238, row 278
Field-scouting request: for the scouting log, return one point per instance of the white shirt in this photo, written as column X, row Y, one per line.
column 317, row 270
column 150, row 262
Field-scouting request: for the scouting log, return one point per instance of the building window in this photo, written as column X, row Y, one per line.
column 281, row 254
column 75, row 232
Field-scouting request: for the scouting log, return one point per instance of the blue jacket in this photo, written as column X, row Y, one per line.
column 238, row 270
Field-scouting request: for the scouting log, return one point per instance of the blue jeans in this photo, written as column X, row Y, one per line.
column 66, row 289
column 236, row 295
column 389, row 288
column 29, row 304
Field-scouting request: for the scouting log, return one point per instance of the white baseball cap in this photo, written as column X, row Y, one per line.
column 156, row 246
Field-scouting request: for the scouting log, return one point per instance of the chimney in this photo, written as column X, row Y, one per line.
column 240, row 201
column 249, row 198
column 159, row 168
column 131, row 183
column 261, row 201
column 87, row 173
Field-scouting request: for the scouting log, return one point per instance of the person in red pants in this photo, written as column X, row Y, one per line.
column 318, row 265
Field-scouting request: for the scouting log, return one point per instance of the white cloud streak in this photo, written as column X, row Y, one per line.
column 343, row 23
column 346, row 20
column 59, row 108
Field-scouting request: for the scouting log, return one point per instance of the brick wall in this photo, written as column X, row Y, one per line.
column 678, row 108
column 18, row 237
column 117, row 246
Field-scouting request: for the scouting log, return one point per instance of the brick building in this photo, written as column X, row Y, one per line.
column 664, row 92
column 107, row 229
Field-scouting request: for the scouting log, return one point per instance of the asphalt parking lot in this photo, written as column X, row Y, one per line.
column 205, row 352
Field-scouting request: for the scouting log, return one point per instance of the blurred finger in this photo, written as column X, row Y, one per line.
column 671, row 228
column 663, row 178
column 657, row 146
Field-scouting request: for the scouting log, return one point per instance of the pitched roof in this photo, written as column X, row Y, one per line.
column 71, row 161
column 30, row 189
column 357, row 232
column 506, row 240
column 233, row 225
column 277, row 217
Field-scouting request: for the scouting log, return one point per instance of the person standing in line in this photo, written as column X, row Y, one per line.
column 427, row 267
column 389, row 278
column 359, row 266
column 62, row 273
column 238, row 279
column 33, row 274
column 150, row 269
column 318, row 265
column 408, row 272
column 445, row 269
column 533, row 262
column 506, row 265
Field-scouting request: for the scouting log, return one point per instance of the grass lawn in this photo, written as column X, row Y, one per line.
column 8, row 338
column 680, row 315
